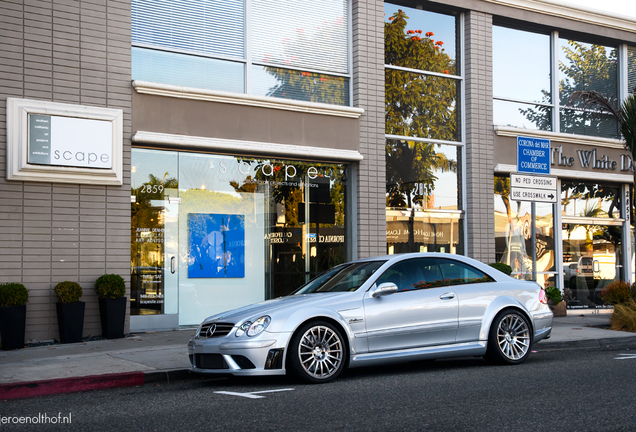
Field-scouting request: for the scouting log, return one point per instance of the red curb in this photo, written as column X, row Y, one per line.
column 69, row 385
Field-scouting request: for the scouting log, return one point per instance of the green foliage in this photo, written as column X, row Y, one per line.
column 554, row 295
column 586, row 69
column 628, row 123
column 624, row 317
column 502, row 267
column 617, row 292
column 110, row 286
column 13, row 294
column 68, row 292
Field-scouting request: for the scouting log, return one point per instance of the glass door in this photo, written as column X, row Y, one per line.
column 154, row 241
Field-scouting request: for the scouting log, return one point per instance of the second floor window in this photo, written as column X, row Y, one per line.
column 289, row 49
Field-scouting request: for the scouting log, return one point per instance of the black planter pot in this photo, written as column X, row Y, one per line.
column 70, row 321
column 113, row 314
column 12, row 326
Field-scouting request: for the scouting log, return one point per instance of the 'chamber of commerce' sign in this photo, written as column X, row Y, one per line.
column 533, row 155
column 69, row 141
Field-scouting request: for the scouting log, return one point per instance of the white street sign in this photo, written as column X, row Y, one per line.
column 533, row 188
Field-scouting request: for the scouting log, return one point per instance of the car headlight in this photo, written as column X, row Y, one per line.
column 243, row 328
column 258, row 326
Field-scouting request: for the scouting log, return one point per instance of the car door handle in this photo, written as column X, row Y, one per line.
column 447, row 296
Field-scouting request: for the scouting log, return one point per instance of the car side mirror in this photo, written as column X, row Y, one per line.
column 383, row 289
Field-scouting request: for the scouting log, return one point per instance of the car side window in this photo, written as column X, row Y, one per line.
column 413, row 274
column 458, row 273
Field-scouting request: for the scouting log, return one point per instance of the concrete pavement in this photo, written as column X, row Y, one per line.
column 162, row 357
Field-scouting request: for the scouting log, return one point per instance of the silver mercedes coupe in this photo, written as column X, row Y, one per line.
column 380, row 310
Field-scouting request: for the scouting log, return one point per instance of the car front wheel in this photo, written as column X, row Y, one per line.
column 509, row 339
column 317, row 352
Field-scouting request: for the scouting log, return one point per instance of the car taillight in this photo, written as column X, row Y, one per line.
column 542, row 298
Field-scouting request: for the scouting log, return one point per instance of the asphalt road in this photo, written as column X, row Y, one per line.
column 568, row 390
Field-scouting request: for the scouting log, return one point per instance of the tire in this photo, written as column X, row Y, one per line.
column 317, row 352
column 509, row 339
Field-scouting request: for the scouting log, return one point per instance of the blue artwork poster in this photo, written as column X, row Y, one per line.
column 217, row 245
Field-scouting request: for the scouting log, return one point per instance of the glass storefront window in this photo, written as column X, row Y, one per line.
column 422, row 100
column 422, row 175
column 225, row 231
column 422, row 197
column 592, row 260
column 422, row 231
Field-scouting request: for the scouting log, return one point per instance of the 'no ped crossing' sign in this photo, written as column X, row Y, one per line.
column 533, row 155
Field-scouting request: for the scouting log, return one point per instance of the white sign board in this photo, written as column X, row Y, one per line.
column 533, row 188
column 70, row 141
column 55, row 142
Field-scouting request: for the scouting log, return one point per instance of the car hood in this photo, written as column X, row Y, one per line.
column 268, row 307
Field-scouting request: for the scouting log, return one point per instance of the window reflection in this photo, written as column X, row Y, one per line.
column 585, row 66
column 420, row 105
column 421, row 175
column 586, row 199
column 514, row 76
column 431, row 36
column 522, row 115
column 299, row 85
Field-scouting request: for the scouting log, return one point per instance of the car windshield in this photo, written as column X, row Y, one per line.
column 346, row 277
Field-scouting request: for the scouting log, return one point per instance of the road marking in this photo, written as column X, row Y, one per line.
column 252, row 395
column 625, row 356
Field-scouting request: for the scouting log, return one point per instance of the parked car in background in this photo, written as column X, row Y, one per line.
column 375, row 311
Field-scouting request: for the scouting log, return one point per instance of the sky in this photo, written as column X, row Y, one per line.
column 619, row 7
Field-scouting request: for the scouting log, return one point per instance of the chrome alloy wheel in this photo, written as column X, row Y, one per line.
column 513, row 336
column 320, row 352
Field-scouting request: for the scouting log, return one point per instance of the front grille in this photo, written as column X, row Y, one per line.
column 215, row 330
column 210, row 361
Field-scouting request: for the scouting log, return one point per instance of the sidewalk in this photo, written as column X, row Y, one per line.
column 162, row 357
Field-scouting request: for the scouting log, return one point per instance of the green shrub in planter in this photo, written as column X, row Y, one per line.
column 13, row 300
column 110, row 286
column 68, row 292
column 554, row 295
column 504, row 268
column 13, row 294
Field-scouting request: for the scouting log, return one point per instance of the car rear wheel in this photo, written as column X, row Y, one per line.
column 509, row 339
column 317, row 352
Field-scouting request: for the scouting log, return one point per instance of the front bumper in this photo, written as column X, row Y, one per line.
column 229, row 355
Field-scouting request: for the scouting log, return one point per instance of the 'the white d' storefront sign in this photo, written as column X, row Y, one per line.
column 55, row 142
